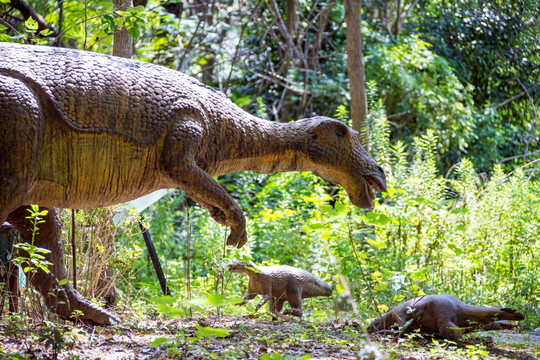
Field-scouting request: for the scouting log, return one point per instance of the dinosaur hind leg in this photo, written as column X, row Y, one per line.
column 61, row 299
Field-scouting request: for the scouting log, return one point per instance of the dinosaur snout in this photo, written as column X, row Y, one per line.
column 512, row 314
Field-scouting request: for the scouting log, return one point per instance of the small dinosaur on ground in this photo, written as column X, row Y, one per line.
column 445, row 315
column 278, row 284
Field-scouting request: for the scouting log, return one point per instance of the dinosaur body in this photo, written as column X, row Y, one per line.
column 84, row 130
column 278, row 284
column 444, row 314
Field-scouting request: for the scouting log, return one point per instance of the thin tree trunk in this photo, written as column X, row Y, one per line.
column 355, row 62
column 122, row 41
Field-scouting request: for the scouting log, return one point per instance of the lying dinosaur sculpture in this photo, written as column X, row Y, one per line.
column 278, row 284
column 445, row 315
column 84, row 130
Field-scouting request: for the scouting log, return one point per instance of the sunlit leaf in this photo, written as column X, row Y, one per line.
column 376, row 219
column 220, row 300
column 206, row 331
column 158, row 341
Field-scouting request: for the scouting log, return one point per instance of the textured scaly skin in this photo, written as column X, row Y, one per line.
column 278, row 284
column 84, row 130
column 444, row 314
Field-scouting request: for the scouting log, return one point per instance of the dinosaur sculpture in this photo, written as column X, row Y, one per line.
column 84, row 130
column 445, row 315
column 278, row 284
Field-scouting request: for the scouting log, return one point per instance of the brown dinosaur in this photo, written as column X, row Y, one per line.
column 84, row 130
column 445, row 315
column 278, row 284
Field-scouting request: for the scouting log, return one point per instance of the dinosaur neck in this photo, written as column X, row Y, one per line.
column 257, row 145
column 480, row 313
column 248, row 272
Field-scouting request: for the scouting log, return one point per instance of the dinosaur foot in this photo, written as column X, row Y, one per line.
column 280, row 315
column 71, row 305
column 293, row 312
column 238, row 237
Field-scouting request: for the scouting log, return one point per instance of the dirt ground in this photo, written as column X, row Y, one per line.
column 250, row 338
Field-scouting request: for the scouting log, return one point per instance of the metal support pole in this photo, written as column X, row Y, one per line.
column 155, row 260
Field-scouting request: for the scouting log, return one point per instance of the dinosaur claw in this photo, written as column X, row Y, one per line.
column 237, row 238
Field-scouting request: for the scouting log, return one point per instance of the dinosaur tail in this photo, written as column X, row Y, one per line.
column 488, row 314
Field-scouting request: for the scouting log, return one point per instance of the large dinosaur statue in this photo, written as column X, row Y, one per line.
column 278, row 284
column 83, row 130
column 445, row 315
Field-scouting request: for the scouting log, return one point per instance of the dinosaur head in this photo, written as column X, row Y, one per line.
column 510, row 314
column 335, row 154
column 240, row 266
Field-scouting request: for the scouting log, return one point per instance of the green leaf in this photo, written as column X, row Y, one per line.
column 31, row 24
column 46, row 32
column 455, row 249
column 340, row 208
column 62, row 282
column 136, row 9
column 220, row 300
column 207, row 331
column 325, row 208
column 273, row 356
column 162, row 300
column 5, row 1
column 158, row 341
column 309, row 228
column 380, row 286
column 419, row 275
column 377, row 243
column 376, row 219
column 2, row 27
column 171, row 311
column 134, row 32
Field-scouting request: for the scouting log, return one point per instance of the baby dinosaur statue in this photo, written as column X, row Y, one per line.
column 445, row 315
column 84, row 130
column 278, row 284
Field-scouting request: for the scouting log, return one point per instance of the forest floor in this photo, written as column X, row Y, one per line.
column 249, row 338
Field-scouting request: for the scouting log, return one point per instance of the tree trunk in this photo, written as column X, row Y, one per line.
column 122, row 41
column 355, row 62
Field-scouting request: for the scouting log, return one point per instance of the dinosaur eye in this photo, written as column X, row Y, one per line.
column 340, row 128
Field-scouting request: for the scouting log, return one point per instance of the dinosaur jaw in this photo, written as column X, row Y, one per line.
column 361, row 191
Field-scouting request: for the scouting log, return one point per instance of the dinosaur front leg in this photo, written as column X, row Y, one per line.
column 263, row 301
column 249, row 296
column 450, row 330
column 193, row 180
column 295, row 300
column 219, row 216
column 179, row 162
column 61, row 299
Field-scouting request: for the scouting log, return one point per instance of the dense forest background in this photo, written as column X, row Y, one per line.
column 453, row 97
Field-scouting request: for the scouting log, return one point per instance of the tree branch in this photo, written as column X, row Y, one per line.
column 516, row 97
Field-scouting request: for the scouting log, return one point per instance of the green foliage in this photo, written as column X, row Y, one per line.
column 493, row 46
column 34, row 259
column 420, row 91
